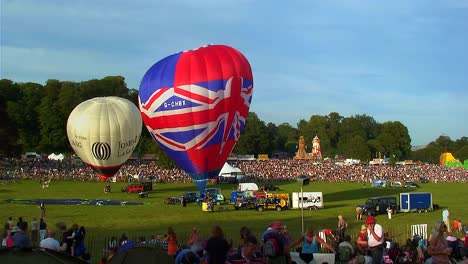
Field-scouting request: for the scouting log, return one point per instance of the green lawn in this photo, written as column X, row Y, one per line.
column 155, row 216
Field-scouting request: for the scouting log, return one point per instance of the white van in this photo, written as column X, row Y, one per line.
column 247, row 186
column 311, row 200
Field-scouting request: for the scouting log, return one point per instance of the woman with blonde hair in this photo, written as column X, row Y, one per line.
column 362, row 240
column 196, row 242
column 438, row 247
column 342, row 225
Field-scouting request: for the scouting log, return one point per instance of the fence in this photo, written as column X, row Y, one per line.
column 101, row 247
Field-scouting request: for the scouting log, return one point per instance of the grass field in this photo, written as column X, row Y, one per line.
column 155, row 216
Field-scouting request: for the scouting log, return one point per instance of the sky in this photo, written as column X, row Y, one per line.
column 393, row 60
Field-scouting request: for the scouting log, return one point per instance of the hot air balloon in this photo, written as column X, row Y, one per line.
column 104, row 131
column 195, row 104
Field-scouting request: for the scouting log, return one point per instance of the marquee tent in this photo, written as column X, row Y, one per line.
column 54, row 156
column 229, row 170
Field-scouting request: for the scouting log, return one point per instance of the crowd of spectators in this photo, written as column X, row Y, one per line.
column 265, row 170
column 251, row 247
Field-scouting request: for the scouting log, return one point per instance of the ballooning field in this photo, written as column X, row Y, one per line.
column 154, row 216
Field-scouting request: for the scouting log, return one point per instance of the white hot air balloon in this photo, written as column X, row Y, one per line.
column 104, row 131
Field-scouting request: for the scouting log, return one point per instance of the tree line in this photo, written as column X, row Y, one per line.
column 34, row 118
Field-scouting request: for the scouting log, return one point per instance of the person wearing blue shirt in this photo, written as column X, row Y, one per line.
column 187, row 256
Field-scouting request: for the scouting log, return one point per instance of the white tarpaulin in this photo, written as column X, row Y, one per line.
column 54, row 156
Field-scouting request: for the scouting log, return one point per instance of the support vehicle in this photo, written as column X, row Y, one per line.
column 310, row 200
column 271, row 203
column 133, row 188
column 213, row 193
column 416, row 202
column 379, row 205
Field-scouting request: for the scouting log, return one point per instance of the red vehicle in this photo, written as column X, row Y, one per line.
column 134, row 188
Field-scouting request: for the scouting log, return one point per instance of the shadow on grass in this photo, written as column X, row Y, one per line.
column 363, row 194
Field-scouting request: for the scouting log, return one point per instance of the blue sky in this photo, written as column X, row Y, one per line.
column 393, row 60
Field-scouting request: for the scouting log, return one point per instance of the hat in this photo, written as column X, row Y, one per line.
column 15, row 229
column 370, row 220
column 276, row 225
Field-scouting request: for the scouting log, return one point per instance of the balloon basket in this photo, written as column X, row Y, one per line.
column 206, row 208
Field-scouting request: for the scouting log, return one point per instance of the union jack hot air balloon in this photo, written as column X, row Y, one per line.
column 195, row 104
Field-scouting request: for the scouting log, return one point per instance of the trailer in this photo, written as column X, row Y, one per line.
column 311, row 200
column 416, row 202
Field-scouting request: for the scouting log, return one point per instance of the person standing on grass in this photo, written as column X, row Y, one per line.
column 342, row 225
column 446, row 218
column 389, row 211
column 42, row 210
column 42, row 229
column 455, row 225
column 359, row 212
column 10, row 222
column 34, row 231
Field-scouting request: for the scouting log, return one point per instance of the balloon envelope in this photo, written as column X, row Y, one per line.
column 195, row 104
column 104, row 131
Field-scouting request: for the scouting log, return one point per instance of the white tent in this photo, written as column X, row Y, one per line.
column 54, row 156
column 229, row 170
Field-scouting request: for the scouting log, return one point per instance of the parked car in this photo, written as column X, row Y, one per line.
column 269, row 188
column 190, row 197
column 246, row 203
column 172, row 200
column 423, row 179
column 410, row 184
column 379, row 205
column 133, row 188
column 396, row 184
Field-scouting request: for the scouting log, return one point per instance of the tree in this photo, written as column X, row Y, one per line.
column 395, row 140
column 254, row 138
column 333, row 130
column 23, row 113
column 276, row 142
column 462, row 154
column 350, row 128
column 369, row 125
column 445, row 143
column 53, row 121
column 289, row 134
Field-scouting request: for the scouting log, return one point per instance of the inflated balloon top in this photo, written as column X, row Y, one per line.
column 104, row 131
column 195, row 104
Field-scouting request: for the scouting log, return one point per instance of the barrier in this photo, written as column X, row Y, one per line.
column 421, row 231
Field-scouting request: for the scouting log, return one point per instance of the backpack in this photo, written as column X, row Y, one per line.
column 272, row 246
column 344, row 254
